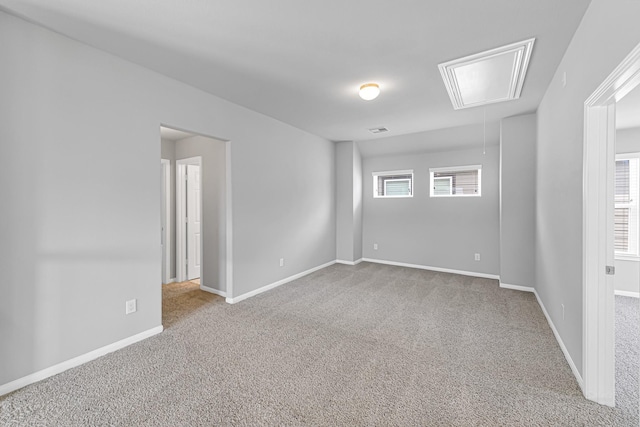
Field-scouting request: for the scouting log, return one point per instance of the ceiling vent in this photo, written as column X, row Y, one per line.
column 379, row 130
column 485, row 78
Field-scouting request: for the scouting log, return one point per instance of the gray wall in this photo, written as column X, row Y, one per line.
column 275, row 216
column 627, row 276
column 214, row 232
column 628, row 140
column 79, row 232
column 608, row 32
column 435, row 232
column 517, row 200
column 344, row 200
column 348, row 202
column 168, row 152
column 357, row 203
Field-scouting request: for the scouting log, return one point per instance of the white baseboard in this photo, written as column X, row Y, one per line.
column 223, row 294
column 172, row 280
column 442, row 270
column 627, row 294
column 339, row 261
column 517, row 287
column 276, row 284
column 561, row 343
column 76, row 361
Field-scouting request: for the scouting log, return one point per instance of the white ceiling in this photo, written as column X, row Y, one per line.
column 458, row 138
column 302, row 61
column 628, row 110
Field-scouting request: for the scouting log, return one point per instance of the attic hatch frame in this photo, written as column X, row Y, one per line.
column 598, row 322
column 522, row 54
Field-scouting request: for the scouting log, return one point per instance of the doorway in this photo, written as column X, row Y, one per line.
column 598, row 229
column 627, row 255
column 197, row 238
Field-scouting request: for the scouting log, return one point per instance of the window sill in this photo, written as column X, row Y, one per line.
column 620, row 257
column 455, row 195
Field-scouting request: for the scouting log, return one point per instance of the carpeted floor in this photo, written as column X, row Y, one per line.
column 364, row 345
column 627, row 355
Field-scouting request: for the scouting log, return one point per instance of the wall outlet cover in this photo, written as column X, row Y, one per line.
column 131, row 306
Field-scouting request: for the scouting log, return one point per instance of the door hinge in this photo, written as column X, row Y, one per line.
column 610, row 270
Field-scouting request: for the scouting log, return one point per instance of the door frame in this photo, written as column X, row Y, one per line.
column 166, row 215
column 181, row 215
column 598, row 322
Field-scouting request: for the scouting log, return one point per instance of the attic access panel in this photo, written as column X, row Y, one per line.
column 496, row 75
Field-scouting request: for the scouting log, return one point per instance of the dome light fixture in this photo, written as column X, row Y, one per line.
column 369, row 91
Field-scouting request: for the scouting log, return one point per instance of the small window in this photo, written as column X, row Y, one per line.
column 393, row 184
column 457, row 181
column 626, row 206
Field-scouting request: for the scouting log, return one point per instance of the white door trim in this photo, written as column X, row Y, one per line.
column 228, row 220
column 166, row 208
column 598, row 339
column 181, row 230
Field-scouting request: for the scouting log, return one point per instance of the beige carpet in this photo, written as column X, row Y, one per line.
column 627, row 354
column 183, row 299
column 363, row 345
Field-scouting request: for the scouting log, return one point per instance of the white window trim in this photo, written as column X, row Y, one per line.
column 391, row 173
column 635, row 240
column 455, row 169
column 624, row 257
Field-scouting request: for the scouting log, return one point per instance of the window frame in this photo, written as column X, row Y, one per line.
column 376, row 175
column 454, row 169
column 634, row 229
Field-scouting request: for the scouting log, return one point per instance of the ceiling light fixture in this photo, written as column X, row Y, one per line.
column 369, row 91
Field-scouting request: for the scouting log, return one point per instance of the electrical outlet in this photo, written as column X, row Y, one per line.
column 562, row 311
column 281, row 262
column 375, row 246
column 131, row 306
column 564, row 79
column 477, row 257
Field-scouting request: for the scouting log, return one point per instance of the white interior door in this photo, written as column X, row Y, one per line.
column 194, row 232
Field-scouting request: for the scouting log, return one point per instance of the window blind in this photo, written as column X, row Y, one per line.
column 626, row 206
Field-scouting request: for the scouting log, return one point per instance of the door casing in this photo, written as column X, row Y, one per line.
column 165, row 216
